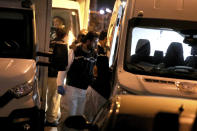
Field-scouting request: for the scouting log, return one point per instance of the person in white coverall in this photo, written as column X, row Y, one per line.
column 79, row 75
column 53, row 98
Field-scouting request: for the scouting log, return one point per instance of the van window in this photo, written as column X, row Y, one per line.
column 160, row 40
column 69, row 21
column 158, row 50
column 16, row 34
column 114, row 46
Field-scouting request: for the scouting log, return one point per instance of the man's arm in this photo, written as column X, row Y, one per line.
column 62, row 74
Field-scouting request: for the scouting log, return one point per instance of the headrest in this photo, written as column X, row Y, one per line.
column 194, row 50
column 174, row 55
column 143, row 47
column 158, row 53
column 175, row 47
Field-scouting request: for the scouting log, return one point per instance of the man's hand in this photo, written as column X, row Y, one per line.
column 61, row 90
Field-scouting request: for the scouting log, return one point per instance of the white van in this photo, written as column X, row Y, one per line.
column 19, row 96
column 156, row 58
column 157, row 48
column 154, row 69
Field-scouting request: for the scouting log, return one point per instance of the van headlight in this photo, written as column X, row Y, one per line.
column 23, row 89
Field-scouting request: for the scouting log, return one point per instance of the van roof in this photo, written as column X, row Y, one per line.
column 167, row 9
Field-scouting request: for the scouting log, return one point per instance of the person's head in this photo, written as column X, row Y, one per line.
column 61, row 33
column 81, row 35
column 58, row 22
column 103, row 38
column 90, row 40
column 83, row 31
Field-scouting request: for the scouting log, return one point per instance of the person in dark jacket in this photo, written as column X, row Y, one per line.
column 99, row 92
column 58, row 22
column 78, row 41
column 53, row 98
column 79, row 74
column 102, row 48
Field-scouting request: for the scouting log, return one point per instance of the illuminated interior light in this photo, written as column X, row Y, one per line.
column 73, row 13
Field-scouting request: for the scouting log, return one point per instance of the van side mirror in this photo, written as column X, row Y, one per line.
column 80, row 123
column 58, row 58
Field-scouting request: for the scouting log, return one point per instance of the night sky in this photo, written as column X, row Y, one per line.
column 105, row 4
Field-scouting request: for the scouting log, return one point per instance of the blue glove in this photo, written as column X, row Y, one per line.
column 61, row 90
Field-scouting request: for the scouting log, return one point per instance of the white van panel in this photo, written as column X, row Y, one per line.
column 167, row 9
column 65, row 4
column 144, row 84
column 15, row 72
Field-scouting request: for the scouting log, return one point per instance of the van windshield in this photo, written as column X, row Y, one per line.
column 16, row 39
column 157, row 48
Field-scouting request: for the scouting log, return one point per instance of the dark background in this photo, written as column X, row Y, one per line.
column 105, row 4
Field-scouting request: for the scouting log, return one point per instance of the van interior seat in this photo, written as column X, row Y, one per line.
column 192, row 60
column 174, row 55
column 158, row 57
column 142, row 52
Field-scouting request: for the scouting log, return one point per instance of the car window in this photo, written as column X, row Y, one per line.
column 115, row 36
column 16, row 33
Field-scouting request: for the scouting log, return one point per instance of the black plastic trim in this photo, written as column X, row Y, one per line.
column 33, row 121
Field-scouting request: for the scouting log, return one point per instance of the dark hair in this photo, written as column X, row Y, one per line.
column 103, row 35
column 89, row 36
column 60, row 18
column 80, row 37
column 61, row 33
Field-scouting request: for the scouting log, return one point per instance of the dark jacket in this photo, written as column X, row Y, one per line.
column 52, row 72
column 102, row 50
column 102, row 82
column 80, row 74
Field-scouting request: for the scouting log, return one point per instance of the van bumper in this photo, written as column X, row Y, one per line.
column 29, row 119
